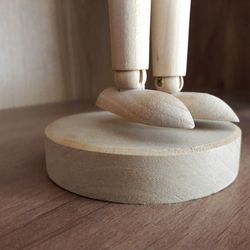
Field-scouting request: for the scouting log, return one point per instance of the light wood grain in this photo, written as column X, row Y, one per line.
column 54, row 50
column 36, row 214
column 101, row 156
column 170, row 84
column 170, row 33
column 134, row 79
column 207, row 107
column 129, row 31
column 146, row 106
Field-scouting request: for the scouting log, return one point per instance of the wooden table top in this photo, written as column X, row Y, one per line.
column 37, row 214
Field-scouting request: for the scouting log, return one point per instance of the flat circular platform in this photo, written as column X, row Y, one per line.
column 101, row 156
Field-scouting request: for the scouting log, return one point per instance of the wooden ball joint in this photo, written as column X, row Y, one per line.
column 190, row 150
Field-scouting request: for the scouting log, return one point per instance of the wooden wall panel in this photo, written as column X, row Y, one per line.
column 219, row 51
column 55, row 50
column 85, row 43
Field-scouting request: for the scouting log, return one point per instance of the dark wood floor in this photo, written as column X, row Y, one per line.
column 36, row 214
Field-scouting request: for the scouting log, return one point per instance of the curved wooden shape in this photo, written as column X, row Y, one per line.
column 99, row 155
column 146, row 106
column 207, row 107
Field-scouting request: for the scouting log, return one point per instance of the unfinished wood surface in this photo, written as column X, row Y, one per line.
column 101, row 156
column 207, row 107
column 170, row 32
column 170, row 84
column 146, row 106
column 54, row 50
column 129, row 30
column 134, row 79
column 36, row 214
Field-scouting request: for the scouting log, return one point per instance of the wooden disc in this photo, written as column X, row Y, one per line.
column 102, row 156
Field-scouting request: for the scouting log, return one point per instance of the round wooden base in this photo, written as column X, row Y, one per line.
column 101, row 156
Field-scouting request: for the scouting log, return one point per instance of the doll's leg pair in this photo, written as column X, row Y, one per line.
column 130, row 24
column 168, row 20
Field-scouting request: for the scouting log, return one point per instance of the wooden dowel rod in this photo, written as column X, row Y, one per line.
column 130, row 30
column 170, row 32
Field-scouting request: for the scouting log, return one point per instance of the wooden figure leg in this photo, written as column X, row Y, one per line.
column 129, row 29
column 170, row 30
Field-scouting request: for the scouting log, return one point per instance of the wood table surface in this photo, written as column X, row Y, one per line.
column 37, row 214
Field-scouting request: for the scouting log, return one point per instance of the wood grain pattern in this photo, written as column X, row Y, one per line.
column 129, row 30
column 55, row 50
column 130, row 35
column 36, row 214
column 170, row 33
column 207, row 107
column 101, row 156
column 146, row 106
column 219, row 47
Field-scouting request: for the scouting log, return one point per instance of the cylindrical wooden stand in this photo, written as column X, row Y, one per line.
column 101, row 156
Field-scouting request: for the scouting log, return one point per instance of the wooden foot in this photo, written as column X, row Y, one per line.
column 102, row 156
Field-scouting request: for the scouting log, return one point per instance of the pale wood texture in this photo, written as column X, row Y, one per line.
column 129, row 30
column 207, row 107
column 170, row 32
column 72, row 38
column 162, row 109
column 146, row 106
column 134, row 79
column 171, row 84
column 36, row 214
column 101, row 156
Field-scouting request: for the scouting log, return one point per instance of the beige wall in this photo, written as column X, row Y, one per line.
column 54, row 50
